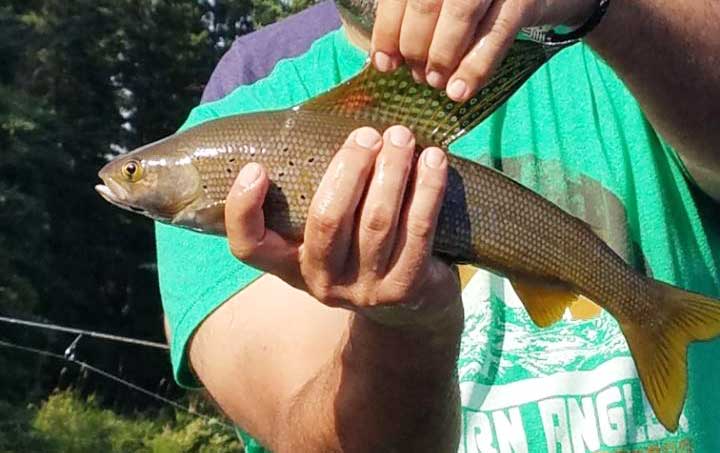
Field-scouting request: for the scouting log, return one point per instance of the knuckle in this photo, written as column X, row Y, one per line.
column 384, row 38
column 413, row 54
column 421, row 228
column 425, row 7
column 503, row 28
column 324, row 292
column 320, row 248
column 331, row 295
column 386, row 34
column 364, row 299
column 377, row 220
column 442, row 58
column 325, row 224
column 463, row 11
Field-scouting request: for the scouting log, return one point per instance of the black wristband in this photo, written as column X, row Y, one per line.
column 552, row 37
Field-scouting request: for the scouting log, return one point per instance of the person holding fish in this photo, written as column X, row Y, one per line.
column 353, row 329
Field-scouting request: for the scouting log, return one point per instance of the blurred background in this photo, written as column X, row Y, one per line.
column 80, row 82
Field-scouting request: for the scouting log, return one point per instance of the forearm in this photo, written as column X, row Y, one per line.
column 668, row 54
column 386, row 389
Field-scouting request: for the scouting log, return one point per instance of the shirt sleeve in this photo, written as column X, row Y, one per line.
column 197, row 273
column 253, row 56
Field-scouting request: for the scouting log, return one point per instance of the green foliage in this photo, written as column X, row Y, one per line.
column 80, row 426
column 195, row 436
column 268, row 11
column 66, row 423
column 16, row 434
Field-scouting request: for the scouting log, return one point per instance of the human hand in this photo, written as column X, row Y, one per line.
column 369, row 234
column 458, row 44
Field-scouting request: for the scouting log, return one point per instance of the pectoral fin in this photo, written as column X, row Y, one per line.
column 210, row 219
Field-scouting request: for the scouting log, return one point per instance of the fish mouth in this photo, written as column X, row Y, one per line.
column 115, row 194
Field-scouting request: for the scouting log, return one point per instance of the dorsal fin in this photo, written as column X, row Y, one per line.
column 395, row 98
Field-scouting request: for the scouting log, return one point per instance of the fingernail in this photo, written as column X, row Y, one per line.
column 400, row 136
column 367, row 137
column 417, row 75
column 435, row 79
column 383, row 62
column 248, row 175
column 434, row 157
column 456, row 89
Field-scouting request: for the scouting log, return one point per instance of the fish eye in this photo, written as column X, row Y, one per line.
column 132, row 170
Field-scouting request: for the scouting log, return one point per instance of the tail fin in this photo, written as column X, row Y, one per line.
column 659, row 346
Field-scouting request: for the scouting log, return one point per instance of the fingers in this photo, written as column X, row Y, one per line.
column 383, row 202
column 386, row 34
column 419, row 218
column 248, row 238
column 416, row 33
column 496, row 33
column 332, row 211
column 451, row 44
column 453, row 34
column 368, row 236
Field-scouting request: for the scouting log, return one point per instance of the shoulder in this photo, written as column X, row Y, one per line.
column 253, row 56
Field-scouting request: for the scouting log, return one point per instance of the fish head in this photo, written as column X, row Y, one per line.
column 157, row 180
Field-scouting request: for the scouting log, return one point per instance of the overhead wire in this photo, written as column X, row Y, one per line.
column 69, row 356
column 89, row 333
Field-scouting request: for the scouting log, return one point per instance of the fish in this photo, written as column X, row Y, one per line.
column 487, row 219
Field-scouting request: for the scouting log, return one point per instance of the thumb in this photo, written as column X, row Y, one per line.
column 249, row 240
column 244, row 218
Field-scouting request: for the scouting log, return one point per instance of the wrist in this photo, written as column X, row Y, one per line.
column 399, row 386
column 371, row 343
column 434, row 306
column 581, row 18
column 424, row 315
column 579, row 15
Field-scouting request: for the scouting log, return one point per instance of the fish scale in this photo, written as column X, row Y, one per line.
column 528, row 236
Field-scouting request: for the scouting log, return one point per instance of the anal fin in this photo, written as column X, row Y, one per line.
column 545, row 303
column 466, row 272
column 584, row 309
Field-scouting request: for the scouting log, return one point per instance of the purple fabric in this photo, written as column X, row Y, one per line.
column 253, row 56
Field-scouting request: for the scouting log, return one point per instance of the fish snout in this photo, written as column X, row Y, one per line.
column 112, row 191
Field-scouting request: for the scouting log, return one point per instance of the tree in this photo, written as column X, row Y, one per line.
column 81, row 81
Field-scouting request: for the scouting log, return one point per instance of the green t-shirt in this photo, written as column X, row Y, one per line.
column 574, row 134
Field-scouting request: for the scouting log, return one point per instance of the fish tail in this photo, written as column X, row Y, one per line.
column 659, row 345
